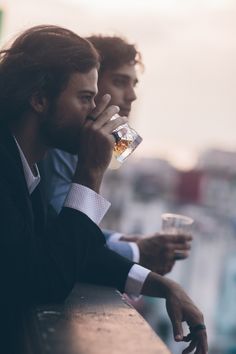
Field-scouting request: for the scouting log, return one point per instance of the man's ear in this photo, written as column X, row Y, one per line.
column 39, row 103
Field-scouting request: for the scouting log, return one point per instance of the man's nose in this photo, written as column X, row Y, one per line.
column 93, row 104
column 131, row 94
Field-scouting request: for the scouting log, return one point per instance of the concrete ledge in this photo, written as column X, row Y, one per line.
column 93, row 320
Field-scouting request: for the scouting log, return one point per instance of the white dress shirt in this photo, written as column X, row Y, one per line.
column 83, row 199
column 134, row 247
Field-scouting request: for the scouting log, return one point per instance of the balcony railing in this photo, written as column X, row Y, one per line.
column 93, row 320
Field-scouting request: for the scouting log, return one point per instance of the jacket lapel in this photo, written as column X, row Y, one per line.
column 38, row 210
column 12, row 170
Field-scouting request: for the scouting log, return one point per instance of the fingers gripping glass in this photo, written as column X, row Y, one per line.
column 127, row 140
column 175, row 224
column 117, row 136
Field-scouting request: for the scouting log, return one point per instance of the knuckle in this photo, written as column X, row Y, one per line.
column 112, row 110
column 93, row 127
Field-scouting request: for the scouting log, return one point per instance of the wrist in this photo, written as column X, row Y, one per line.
column 88, row 179
column 157, row 285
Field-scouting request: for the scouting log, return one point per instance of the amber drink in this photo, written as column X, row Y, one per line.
column 127, row 141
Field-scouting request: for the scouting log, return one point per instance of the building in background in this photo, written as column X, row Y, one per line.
column 141, row 190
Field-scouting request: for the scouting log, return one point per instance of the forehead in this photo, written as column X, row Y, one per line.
column 127, row 71
column 83, row 81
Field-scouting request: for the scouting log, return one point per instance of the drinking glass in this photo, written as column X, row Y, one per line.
column 176, row 224
column 127, row 140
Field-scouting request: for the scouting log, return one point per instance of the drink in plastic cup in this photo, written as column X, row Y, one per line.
column 176, row 224
column 127, row 141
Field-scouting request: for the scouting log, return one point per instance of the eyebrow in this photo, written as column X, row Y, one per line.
column 88, row 92
column 124, row 76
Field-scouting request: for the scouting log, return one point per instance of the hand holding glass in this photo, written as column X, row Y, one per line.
column 127, row 139
column 175, row 224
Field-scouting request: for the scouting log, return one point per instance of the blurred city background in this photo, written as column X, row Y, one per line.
column 185, row 113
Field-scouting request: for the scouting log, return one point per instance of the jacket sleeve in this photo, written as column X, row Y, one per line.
column 94, row 261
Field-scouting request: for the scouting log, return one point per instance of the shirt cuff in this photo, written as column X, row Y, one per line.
column 115, row 237
column 135, row 251
column 135, row 280
column 134, row 247
column 87, row 201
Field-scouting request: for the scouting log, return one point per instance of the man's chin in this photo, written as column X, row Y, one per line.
column 124, row 112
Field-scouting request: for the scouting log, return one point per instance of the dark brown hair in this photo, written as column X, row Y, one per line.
column 115, row 51
column 40, row 61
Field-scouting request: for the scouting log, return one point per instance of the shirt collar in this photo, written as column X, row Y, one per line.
column 31, row 180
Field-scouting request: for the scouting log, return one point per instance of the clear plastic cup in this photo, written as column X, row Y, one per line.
column 176, row 224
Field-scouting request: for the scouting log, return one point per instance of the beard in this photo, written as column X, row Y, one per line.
column 56, row 134
column 60, row 138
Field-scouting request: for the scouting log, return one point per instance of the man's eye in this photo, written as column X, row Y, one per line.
column 86, row 98
column 119, row 82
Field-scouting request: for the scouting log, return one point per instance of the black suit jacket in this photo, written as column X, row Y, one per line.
column 40, row 263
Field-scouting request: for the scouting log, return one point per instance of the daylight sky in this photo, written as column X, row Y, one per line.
column 186, row 96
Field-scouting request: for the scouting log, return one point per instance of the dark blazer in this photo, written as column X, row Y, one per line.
column 41, row 263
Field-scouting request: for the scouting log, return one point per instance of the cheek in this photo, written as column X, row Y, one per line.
column 64, row 119
column 115, row 92
column 117, row 96
column 74, row 110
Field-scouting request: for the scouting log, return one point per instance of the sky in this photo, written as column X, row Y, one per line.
column 186, row 95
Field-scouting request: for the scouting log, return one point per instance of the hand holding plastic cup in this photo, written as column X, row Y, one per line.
column 176, row 224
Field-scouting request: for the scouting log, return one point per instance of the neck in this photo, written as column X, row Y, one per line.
column 27, row 135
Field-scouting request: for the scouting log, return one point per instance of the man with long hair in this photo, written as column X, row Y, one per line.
column 48, row 79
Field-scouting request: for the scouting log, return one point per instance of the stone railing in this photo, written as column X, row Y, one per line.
column 93, row 320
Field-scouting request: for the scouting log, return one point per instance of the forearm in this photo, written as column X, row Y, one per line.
column 157, row 286
column 88, row 178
